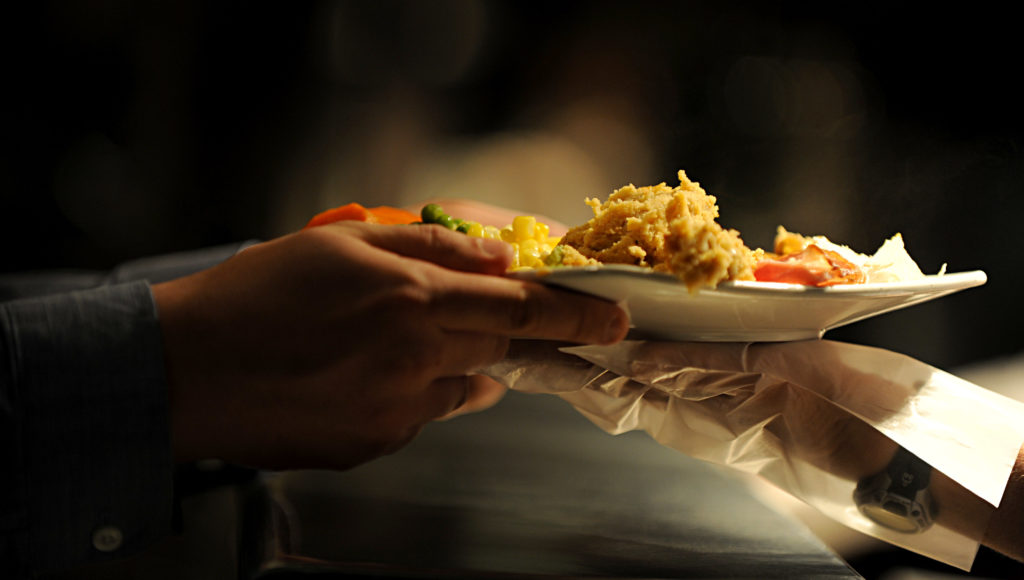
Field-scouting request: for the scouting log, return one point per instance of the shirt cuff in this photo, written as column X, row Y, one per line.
column 87, row 393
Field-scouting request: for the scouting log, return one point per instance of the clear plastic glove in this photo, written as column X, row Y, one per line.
column 814, row 418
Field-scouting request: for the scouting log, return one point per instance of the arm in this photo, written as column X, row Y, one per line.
column 152, row 269
column 74, row 340
column 1005, row 533
column 852, row 449
column 754, row 393
column 325, row 348
column 83, row 420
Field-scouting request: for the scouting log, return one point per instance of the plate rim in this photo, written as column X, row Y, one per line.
column 930, row 283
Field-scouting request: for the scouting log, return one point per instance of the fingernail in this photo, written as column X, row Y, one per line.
column 495, row 249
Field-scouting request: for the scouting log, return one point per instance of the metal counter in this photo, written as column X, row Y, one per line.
column 531, row 489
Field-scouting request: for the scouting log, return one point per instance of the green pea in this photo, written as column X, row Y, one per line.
column 431, row 213
column 447, row 221
column 466, row 227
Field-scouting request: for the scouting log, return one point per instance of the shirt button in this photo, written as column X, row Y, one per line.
column 107, row 538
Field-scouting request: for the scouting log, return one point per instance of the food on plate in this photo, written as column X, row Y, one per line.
column 530, row 239
column 356, row 212
column 668, row 229
column 810, row 265
column 675, row 230
column 794, row 252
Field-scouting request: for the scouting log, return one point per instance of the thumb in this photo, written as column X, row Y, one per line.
column 439, row 245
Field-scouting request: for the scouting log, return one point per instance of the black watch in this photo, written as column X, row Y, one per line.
column 897, row 497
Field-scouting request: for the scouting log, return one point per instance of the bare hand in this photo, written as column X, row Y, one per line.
column 334, row 345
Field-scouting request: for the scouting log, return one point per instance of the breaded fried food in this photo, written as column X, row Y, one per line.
column 664, row 228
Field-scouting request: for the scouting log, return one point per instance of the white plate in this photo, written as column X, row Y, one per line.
column 661, row 307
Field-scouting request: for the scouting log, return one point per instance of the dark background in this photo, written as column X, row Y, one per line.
column 138, row 128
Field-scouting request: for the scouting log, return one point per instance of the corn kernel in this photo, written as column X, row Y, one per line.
column 541, row 231
column 523, row 227
column 531, row 241
column 529, row 248
column 474, row 229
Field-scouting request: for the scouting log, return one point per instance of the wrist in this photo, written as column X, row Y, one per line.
column 170, row 299
column 1004, row 529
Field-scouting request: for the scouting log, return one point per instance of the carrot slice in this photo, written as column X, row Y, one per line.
column 393, row 215
column 356, row 212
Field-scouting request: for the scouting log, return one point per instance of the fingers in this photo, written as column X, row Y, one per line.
column 440, row 246
column 465, row 352
column 527, row 310
column 464, row 300
column 483, row 393
column 452, row 383
column 443, row 396
column 455, row 396
column 448, row 397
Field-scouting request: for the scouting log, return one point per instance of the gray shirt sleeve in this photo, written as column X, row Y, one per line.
column 84, row 426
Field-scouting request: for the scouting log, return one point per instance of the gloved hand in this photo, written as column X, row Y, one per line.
column 812, row 417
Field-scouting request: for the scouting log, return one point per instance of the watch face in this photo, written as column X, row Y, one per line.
column 893, row 515
column 897, row 497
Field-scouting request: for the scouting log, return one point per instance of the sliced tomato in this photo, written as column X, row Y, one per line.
column 813, row 266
